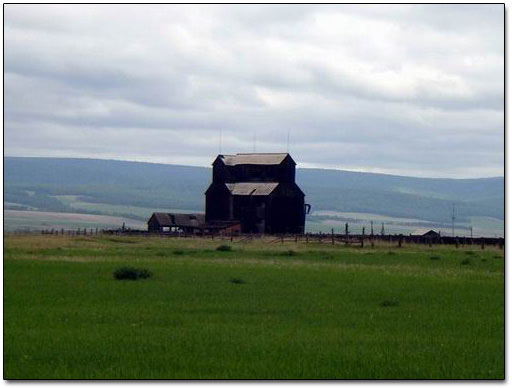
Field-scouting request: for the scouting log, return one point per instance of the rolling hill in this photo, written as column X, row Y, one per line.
column 134, row 189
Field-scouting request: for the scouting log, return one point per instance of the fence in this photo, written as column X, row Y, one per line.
column 326, row 238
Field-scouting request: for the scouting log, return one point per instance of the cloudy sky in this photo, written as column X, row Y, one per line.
column 404, row 89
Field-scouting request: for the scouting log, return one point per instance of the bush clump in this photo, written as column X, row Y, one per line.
column 465, row 262
column 131, row 273
column 237, row 281
column 178, row 252
column 223, row 248
column 390, row 302
column 435, row 257
column 289, row 252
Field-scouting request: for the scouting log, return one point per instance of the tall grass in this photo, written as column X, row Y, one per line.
column 327, row 312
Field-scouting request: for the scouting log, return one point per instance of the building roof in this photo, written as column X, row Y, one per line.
column 266, row 159
column 178, row 219
column 251, row 188
column 427, row 233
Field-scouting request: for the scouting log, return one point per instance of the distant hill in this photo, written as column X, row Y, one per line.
column 39, row 183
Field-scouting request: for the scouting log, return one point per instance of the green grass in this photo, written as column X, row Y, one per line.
column 250, row 313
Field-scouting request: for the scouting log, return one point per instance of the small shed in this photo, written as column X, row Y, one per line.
column 176, row 222
column 431, row 233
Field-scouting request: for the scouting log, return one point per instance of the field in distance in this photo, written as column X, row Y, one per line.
column 106, row 216
column 253, row 310
column 23, row 220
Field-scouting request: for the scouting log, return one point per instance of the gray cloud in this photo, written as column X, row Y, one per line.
column 407, row 89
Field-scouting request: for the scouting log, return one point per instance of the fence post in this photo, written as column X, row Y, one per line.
column 483, row 243
column 332, row 236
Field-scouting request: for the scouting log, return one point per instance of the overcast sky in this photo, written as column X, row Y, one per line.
column 403, row 89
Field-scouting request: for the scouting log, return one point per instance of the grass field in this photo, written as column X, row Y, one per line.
column 16, row 220
column 259, row 311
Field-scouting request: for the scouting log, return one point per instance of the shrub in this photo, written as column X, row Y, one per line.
column 289, row 252
column 465, row 262
column 224, row 248
column 237, row 281
column 391, row 253
column 470, row 253
column 178, row 252
column 131, row 273
column 435, row 257
column 390, row 302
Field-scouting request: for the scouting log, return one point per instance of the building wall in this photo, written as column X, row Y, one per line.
column 153, row 225
column 218, row 203
column 286, row 211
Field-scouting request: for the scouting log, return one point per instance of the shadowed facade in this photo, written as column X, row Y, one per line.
column 259, row 190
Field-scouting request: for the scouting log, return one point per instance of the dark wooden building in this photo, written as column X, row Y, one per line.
column 259, row 191
column 432, row 233
column 176, row 222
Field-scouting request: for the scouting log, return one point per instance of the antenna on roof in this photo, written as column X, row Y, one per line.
column 220, row 141
column 288, row 142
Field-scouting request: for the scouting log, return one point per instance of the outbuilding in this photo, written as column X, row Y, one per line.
column 176, row 222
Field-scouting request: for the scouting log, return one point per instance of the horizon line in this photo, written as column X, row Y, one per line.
column 302, row 168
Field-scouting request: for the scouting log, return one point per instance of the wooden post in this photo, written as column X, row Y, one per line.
column 400, row 238
column 332, row 236
column 456, row 242
column 307, row 238
column 483, row 243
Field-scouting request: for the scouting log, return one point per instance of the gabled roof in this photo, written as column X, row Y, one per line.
column 254, row 158
column 178, row 219
column 425, row 232
column 162, row 218
column 431, row 233
column 251, row 188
